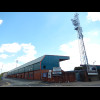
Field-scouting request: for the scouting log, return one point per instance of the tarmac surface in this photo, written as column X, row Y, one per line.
column 8, row 82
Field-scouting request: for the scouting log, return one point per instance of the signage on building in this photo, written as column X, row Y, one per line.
column 56, row 68
column 92, row 68
column 56, row 72
column 44, row 74
column 49, row 74
column 50, row 70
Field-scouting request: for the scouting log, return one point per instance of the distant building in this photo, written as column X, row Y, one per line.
column 5, row 74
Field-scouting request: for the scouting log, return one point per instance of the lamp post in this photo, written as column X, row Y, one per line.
column 1, row 68
column 16, row 63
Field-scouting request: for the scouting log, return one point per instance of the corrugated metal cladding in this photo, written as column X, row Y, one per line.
column 97, row 66
column 51, row 61
column 43, row 62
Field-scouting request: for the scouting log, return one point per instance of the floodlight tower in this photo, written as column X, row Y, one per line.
column 78, row 28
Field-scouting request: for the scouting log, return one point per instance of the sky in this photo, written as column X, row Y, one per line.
column 25, row 36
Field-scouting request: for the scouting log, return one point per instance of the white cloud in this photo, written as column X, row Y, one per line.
column 1, row 65
column 29, row 51
column 25, row 58
column 96, row 33
column 71, row 49
column 12, row 48
column 7, row 66
column 27, row 54
column 92, row 33
column 1, row 21
column 93, row 16
column 93, row 53
column 4, row 56
column 28, row 48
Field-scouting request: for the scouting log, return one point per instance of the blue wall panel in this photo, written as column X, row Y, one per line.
column 51, row 61
column 98, row 67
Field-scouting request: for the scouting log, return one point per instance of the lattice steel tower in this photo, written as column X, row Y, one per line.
column 83, row 56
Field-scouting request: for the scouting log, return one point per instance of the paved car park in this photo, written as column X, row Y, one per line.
column 8, row 82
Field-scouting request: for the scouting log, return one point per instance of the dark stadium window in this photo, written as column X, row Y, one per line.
column 44, row 67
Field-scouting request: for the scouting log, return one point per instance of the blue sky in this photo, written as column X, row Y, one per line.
column 29, row 35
